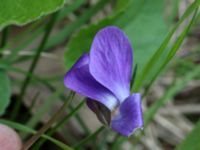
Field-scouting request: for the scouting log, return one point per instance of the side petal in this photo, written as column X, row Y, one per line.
column 111, row 61
column 129, row 118
column 79, row 79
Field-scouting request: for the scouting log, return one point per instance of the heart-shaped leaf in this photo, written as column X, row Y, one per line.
column 20, row 12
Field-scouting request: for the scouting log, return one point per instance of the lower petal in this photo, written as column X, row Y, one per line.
column 129, row 118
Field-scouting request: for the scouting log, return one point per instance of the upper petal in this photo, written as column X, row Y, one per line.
column 129, row 118
column 79, row 79
column 111, row 61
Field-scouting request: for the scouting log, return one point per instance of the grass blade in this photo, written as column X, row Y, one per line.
column 33, row 65
column 172, row 52
column 147, row 69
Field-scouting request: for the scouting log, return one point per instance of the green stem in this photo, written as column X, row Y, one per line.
column 33, row 101
column 81, row 122
column 78, row 118
column 33, row 65
column 85, row 140
column 56, row 116
column 60, row 124
column 4, row 40
column 68, row 116
column 117, row 142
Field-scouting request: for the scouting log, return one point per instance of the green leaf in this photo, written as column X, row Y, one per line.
column 192, row 140
column 20, row 12
column 142, row 22
column 64, row 33
column 40, row 28
column 5, row 92
column 147, row 31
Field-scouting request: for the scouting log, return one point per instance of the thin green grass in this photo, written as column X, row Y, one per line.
column 154, row 59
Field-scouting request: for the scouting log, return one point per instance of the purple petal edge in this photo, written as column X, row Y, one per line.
column 129, row 117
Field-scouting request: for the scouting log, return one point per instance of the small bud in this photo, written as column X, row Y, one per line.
column 9, row 139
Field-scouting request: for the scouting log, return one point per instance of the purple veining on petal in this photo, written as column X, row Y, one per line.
column 79, row 79
column 129, row 118
column 111, row 61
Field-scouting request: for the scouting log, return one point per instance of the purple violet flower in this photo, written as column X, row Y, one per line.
column 104, row 76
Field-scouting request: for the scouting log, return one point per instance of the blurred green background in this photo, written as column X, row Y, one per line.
column 41, row 40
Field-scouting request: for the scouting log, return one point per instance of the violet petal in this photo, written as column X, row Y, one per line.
column 129, row 118
column 111, row 61
column 79, row 79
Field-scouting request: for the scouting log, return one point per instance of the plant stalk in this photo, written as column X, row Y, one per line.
column 4, row 39
column 27, row 80
column 56, row 116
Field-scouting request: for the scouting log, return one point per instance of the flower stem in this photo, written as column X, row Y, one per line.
column 4, row 38
column 33, row 65
column 56, row 116
column 85, row 140
column 59, row 124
